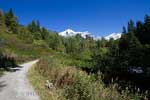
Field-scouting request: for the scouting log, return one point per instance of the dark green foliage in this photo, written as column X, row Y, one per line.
column 142, row 31
column 55, row 41
column 130, row 51
column 44, row 33
column 146, row 56
column 24, row 34
column 11, row 21
column 72, row 45
column 34, row 26
column 6, row 62
column 35, row 29
column 131, row 27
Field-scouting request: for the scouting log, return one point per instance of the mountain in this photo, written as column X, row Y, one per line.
column 70, row 32
column 115, row 36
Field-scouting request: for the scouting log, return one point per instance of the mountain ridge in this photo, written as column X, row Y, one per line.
column 70, row 32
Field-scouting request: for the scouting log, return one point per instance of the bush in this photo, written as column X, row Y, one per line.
column 6, row 62
column 86, row 87
column 76, row 84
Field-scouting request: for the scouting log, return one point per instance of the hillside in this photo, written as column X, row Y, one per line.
column 21, row 50
column 77, row 67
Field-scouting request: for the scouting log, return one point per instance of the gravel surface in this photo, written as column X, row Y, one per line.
column 14, row 85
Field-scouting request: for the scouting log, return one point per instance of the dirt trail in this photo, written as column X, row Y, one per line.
column 15, row 85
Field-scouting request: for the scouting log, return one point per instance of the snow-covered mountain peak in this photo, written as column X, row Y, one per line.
column 70, row 32
column 67, row 32
column 115, row 36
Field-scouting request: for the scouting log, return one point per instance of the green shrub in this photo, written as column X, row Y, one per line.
column 76, row 84
column 7, row 61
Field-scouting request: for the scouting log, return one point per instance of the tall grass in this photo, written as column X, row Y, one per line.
column 20, row 49
column 74, row 84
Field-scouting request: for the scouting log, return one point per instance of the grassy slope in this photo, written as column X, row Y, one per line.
column 56, row 69
column 20, row 49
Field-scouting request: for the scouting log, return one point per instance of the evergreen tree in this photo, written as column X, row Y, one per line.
column 147, row 29
column 147, row 23
column 44, row 33
column 140, row 31
column 135, row 51
column 131, row 27
column 38, row 25
column 34, row 28
column 11, row 21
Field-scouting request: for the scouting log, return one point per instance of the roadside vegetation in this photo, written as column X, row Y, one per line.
column 79, row 68
column 70, row 83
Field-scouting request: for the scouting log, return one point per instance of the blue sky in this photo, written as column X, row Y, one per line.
column 100, row 17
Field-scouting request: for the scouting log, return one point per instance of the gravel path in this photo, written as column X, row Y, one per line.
column 15, row 85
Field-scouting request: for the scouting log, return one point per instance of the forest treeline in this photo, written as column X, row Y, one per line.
column 114, row 58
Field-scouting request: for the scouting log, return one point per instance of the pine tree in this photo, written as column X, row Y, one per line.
column 147, row 23
column 34, row 28
column 44, row 33
column 140, row 32
column 11, row 21
column 131, row 27
column 147, row 29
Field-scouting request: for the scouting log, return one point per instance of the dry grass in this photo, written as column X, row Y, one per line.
column 38, row 82
column 71, row 83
